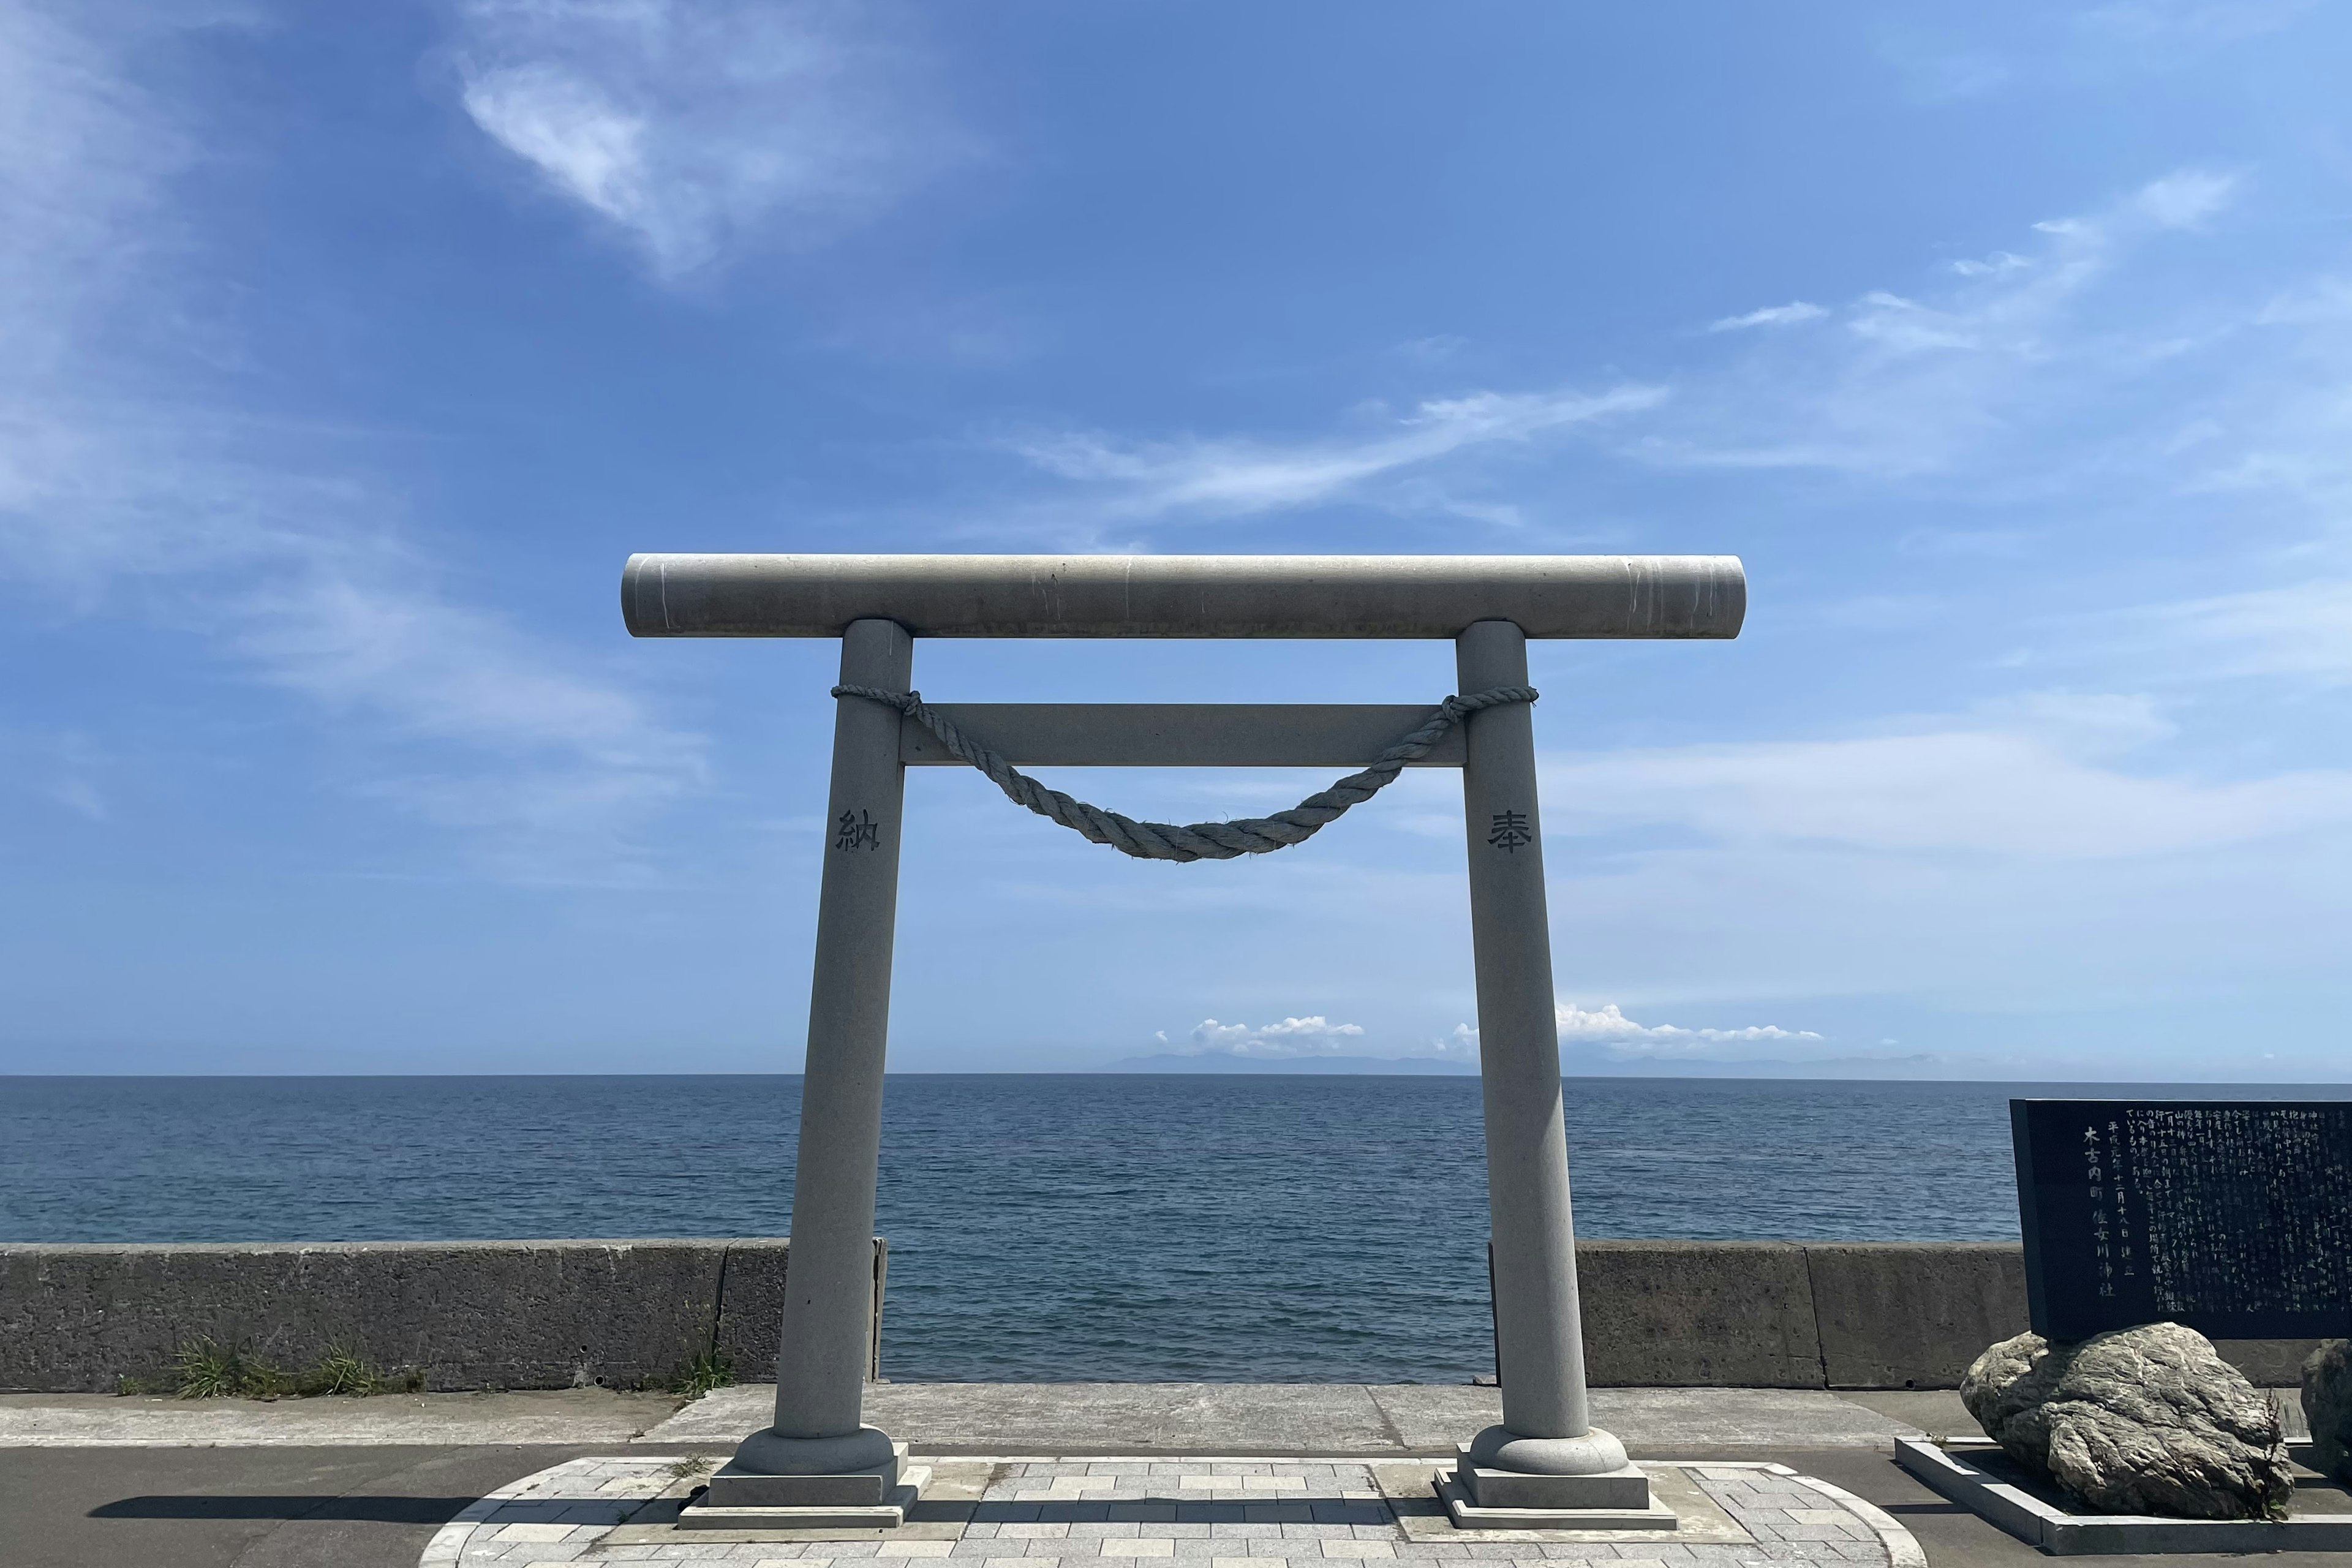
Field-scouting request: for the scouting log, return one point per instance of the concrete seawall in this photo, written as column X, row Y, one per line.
column 467, row 1314
column 1796, row 1314
column 556, row 1314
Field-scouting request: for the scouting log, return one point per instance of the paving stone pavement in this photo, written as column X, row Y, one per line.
column 1112, row 1513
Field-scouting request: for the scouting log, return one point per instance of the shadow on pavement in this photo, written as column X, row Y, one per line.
column 366, row 1509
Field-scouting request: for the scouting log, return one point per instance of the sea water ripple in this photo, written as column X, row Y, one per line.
column 1042, row 1228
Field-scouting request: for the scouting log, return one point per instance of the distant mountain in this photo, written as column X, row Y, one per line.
column 1922, row 1065
column 1577, row 1066
column 1217, row 1062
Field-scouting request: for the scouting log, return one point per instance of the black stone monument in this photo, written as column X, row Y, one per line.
column 2231, row 1217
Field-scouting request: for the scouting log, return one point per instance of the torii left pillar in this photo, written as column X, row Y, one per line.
column 820, row 1453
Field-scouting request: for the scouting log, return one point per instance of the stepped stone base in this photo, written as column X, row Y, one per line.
column 738, row 1498
column 1623, row 1487
column 1618, row 1499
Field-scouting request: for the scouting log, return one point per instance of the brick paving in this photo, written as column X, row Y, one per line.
column 1214, row 1513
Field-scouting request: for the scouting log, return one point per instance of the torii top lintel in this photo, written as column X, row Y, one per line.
column 1184, row 595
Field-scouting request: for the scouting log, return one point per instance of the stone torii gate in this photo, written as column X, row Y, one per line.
column 820, row 1463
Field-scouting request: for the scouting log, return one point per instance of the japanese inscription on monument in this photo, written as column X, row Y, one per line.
column 1511, row 832
column 2231, row 1217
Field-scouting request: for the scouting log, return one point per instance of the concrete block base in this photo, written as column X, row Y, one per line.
column 1470, row 1513
column 1983, row 1479
column 735, row 1487
column 1621, row 1489
column 728, row 1508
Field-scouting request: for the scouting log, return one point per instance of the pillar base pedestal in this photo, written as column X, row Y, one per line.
column 1469, row 1514
column 741, row 1497
column 1484, row 1496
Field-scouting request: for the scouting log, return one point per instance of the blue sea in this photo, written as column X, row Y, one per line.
column 1109, row 1227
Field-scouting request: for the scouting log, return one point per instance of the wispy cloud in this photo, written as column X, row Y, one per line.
column 2022, row 783
column 1936, row 71
column 1788, row 315
column 2186, row 197
column 83, row 154
column 2000, row 261
column 2192, row 24
column 1236, row 477
column 1892, row 385
column 696, row 130
column 59, row 768
column 2302, row 632
column 272, row 544
column 1916, row 382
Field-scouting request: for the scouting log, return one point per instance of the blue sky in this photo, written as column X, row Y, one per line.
column 346, row 351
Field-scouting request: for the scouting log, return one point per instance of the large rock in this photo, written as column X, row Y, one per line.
column 2327, row 1406
column 2146, row 1420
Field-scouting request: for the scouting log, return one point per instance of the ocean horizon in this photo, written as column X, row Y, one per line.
column 1112, row 1226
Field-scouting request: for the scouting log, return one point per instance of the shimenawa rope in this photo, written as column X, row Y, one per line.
column 1198, row 841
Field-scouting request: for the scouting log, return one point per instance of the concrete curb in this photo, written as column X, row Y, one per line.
column 2064, row 1534
column 950, row 1419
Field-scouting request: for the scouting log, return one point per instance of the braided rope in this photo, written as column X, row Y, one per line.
column 1199, row 840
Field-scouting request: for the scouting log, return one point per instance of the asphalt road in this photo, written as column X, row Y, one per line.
column 371, row 1507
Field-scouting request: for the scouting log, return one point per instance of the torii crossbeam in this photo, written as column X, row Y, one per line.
column 1546, row 1463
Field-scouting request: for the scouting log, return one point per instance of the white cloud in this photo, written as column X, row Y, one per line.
column 1786, row 315
column 307, row 586
column 1310, row 1037
column 697, row 129
column 2025, row 864
column 121, row 494
column 1624, row 1039
column 57, row 767
column 2319, row 300
column 1932, row 71
column 1459, row 1045
column 1995, row 370
column 2303, row 630
column 2193, row 24
column 1435, row 349
column 2018, row 783
column 2186, row 198
column 82, row 155
column 1917, row 384
column 1907, row 327
column 592, row 149
column 2082, row 725
column 2000, row 261
column 80, row 796
column 1237, row 478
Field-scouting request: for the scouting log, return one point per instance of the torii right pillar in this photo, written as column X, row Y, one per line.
column 1546, row 1459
